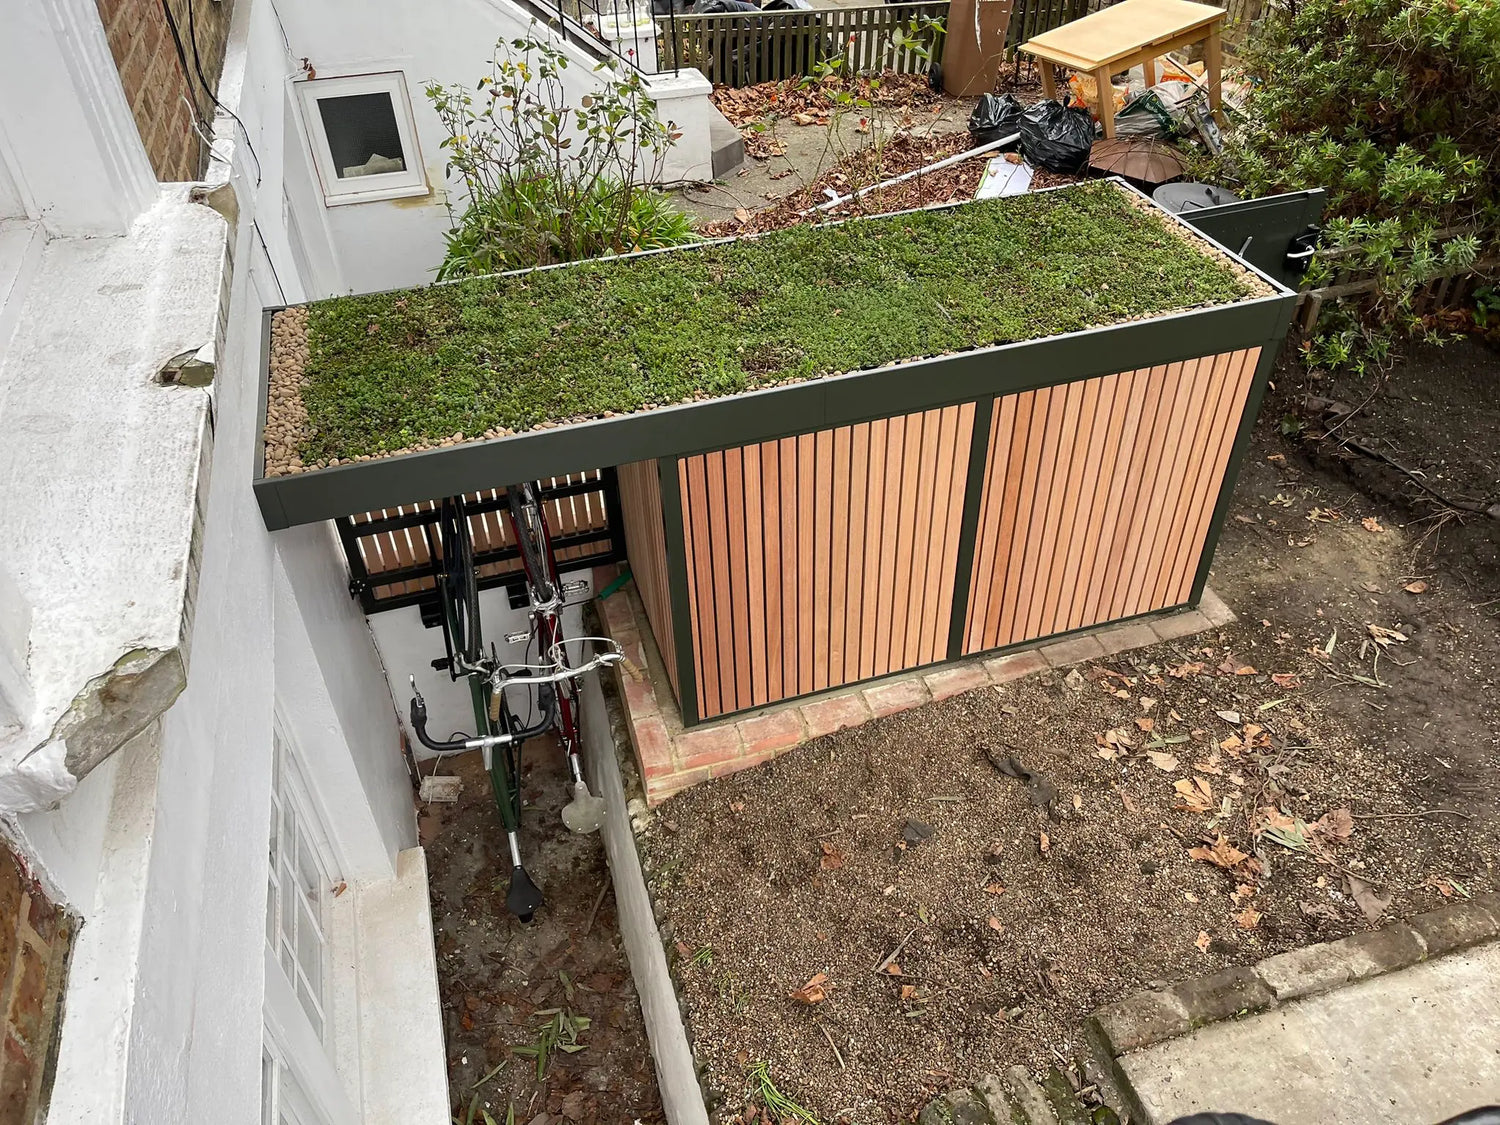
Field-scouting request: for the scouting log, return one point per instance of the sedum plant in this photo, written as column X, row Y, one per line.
column 547, row 181
column 1393, row 106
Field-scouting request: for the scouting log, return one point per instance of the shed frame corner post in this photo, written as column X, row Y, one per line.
column 968, row 528
column 1270, row 353
column 677, row 586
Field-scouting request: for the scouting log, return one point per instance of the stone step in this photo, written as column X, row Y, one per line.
column 726, row 144
column 1013, row 1099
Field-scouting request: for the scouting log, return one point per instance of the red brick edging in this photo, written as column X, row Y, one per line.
column 671, row 758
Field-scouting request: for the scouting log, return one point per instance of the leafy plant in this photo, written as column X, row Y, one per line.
column 781, row 1107
column 547, row 181
column 1393, row 106
column 559, row 1031
column 1487, row 306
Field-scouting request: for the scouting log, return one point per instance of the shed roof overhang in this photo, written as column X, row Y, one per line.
column 386, row 482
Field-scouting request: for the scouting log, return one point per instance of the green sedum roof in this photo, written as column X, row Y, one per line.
column 396, row 371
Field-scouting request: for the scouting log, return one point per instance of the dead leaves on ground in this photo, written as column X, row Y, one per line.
column 813, row 992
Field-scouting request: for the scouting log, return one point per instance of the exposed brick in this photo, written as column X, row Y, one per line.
column 1212, row 607
column 653, row 746
column 1074, row 650
column 824, row 716
column 770, row 734
column 1220, row 995
column 1319, row 968
column 1139, row 1021
column 898, row 695
column 1124, row 638
column 1013, row 666
column 945, row 683
column 1455, row 927
column 618, row 613
column 1179, row 625
column 658, row 791
column 42, row 916
column 640, row 696
column 709, row 746
column 27, row 997
column 17, row 1073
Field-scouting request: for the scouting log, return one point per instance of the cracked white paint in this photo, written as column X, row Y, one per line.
column 99, row 477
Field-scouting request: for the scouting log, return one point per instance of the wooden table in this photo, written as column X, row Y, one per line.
column 1133, row 31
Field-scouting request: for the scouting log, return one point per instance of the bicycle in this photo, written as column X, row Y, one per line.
column 555, row 680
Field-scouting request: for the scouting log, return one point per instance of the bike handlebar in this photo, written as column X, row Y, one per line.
column 459, row 745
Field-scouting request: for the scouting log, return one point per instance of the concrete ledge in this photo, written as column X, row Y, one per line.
column 1318, row 968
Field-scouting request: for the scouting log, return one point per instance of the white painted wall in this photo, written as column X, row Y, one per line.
column 407, row 648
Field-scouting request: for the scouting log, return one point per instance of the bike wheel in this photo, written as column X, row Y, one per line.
column 530, row 526
column 459, row 587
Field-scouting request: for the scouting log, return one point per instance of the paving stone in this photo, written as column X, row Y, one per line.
column 967, row 1109
column 824, row 716
column 1063, row 1099
column 935, row 1112
column 948, row 682
column 1222, row 995
column 898, row 695
column 1124, row 638
column 1013, row 666
column 1027, row 1096
column 1213, row 608
column 1455, row 927
column 1179, row 625
column 991, row 1092
column 1319, row 968
column 1140, row 1020
column 1075, row 650
column 640, row 696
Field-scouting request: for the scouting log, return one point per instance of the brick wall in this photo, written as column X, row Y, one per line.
column 34, row 939
column 155, row 82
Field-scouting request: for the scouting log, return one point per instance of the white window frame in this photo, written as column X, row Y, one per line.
column 291, row 1042
column 338, row 190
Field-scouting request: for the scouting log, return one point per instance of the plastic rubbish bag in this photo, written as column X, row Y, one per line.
column 994, row 117
column 1057, row 137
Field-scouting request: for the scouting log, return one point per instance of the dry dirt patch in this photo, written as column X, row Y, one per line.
column 1190, row 807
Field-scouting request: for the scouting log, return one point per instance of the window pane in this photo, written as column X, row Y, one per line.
column 363, row 138
column 271, row 913
column 267, row 1091
column 314, row 1017
column 310, row 950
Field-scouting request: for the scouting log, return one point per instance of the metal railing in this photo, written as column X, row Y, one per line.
column 620, row 31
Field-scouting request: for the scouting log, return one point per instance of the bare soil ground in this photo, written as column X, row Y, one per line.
column 501, row 981
column 1322, row 766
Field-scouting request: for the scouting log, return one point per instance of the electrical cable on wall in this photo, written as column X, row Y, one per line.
column 207, row 86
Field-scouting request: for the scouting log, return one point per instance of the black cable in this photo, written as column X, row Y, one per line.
column 207, row 88
column 270, row 261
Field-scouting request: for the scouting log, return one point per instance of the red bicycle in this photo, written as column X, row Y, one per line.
column 550, row 685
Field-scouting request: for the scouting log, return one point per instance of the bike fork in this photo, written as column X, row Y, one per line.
column 524, row 896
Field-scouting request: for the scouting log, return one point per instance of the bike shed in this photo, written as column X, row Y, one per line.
column 795, row 539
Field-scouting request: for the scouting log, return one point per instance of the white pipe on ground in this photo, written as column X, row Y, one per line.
column 957, row 158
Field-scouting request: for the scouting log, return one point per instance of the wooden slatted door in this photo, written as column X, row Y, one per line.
column 822, row 559
column 1098, row 495
column 646, row 547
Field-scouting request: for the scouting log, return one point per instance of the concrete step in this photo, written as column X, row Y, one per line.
column 725, row 142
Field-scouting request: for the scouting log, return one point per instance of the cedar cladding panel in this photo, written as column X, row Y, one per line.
column 1098, row 495
column 823, row 559
column 646, row 547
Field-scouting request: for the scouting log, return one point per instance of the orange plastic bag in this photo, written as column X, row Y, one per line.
column 1086, row 92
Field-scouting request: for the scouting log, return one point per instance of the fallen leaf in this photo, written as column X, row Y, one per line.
column 1146, row 723
column 1182, row 671
column 1162, row 760
column 832, row 859
column 1370, row 523
column 1043, row 842
column 1204, row 941
column 1221, row 854
column 1336, row 824
column 1417, row 587
column 1248, row 918
column 812, row 992
column 994, row 889
column 737, row 806
column 1384, row 636
column 1366, row 899
column 1286, row 679
column 1147, row 703
column 1209, row 766
column 893, row 969
column 908, row 991
column 1190, row 896
column 1125, row 799
column 1230, row 717
column 1324, row 515
column 1242, row 891
column 1077, row 802
column 741, row 215
column 996, row 925
column 1194, row 794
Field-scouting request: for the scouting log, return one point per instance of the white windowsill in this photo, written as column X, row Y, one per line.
column 376, row 196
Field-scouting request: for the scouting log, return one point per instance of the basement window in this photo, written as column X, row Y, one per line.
column 364, row 140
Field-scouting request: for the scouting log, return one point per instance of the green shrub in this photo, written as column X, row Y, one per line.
column 1393, row 106
column 545, row 181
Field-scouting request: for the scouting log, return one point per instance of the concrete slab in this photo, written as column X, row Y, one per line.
column 1417, row 1045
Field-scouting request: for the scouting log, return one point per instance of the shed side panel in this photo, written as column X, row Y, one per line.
column 646, row 547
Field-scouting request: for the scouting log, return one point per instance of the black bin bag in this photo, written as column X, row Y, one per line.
column 994, row 118
column 1056, row 137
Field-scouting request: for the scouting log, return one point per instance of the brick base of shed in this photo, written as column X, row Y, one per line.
column 672, row 757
